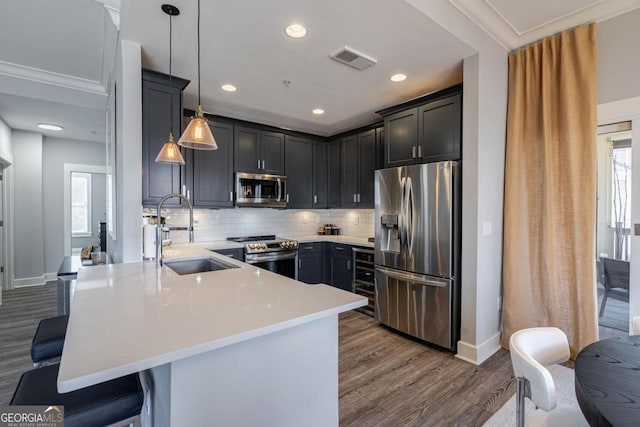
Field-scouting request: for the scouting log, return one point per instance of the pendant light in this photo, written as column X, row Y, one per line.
column 198, row 135
column 170, row 152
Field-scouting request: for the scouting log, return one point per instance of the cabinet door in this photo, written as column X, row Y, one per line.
column 212, row 170
column 298, row 159
column 320, row 174
column 341, row 271
column 272, row 153
column 349, row 172
column 246, row 147
column 159, row 179
column 366, row 168
column 439, row 129
column 232, row 253
column 380, row 147
column 401, row 138
column 333, row 175
column 310, row 267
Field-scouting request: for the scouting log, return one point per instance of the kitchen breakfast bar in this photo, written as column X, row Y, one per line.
column 239, row 346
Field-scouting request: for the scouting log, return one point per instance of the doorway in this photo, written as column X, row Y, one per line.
column 84, row 205
column 613, row 229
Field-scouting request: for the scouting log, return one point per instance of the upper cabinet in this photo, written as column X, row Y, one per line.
column 258, row 151
column 424, row 130
column 161, row 113
column 298, row 159
column 358, row 161
column 210, row 172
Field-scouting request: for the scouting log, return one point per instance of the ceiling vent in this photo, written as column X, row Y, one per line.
column 353, row 58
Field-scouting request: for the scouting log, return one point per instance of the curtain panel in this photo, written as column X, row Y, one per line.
column 550, row 188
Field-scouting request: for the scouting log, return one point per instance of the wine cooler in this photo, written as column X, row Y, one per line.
column 364, row 277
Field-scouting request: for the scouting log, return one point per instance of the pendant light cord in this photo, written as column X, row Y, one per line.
column 198, row 52
column 170, row 74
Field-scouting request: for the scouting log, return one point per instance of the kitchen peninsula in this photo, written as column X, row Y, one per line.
column 238, row 346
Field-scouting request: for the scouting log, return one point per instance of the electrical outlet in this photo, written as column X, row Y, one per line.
column 487, row 228
column 499, row 303
column 356, row 220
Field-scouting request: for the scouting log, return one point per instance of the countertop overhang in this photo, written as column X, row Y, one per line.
column 130, row 317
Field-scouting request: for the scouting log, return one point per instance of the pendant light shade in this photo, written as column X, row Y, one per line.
column 170, row 152
column 198, row 135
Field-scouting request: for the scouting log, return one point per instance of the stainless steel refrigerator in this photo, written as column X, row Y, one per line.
column 417, row 251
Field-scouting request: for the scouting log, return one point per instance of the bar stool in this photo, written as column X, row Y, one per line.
column 49, row 339
column 118, row 401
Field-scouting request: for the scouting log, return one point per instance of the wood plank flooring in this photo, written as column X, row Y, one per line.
column 386, row 379
column 20, row 312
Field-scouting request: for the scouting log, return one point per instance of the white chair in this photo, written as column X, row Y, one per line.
column 531, row 350
column 635, row 326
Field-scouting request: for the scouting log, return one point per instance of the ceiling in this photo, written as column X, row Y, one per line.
column 55, row 57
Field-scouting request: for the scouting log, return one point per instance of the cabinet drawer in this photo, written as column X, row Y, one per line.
column 232, row 253
column 310, row 247
column 340, row 248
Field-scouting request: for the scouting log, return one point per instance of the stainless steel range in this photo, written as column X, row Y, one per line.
column 270, row 253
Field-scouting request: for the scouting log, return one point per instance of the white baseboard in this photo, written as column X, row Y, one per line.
column 478, row 354
column 34, row 281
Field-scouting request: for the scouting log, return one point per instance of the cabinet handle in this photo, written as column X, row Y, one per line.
column 413, row 152
column 358, row 197
column 189, row 194
column 184, row 190
column 420, row 151
column 339, row 248
column 230, row 255
column 258, row 164
column 299, row 264
column 315, row 199
column 287, row 198
column 355, row 198
column 263, row 167
column 349, row 265
column 231, row 196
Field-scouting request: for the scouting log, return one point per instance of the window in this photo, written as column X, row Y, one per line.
column 80, row 204
column 621, row 197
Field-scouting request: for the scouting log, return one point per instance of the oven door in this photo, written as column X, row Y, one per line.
column 281, row 262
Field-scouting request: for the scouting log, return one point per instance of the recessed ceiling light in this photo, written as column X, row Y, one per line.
column 398, row 77
column 47, row 126
column 318, row 111
column 296, row 31
column 228, row 88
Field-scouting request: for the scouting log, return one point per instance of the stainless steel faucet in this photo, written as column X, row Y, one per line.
column 159, row 225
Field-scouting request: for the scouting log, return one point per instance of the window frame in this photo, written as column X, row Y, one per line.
column 87, row 177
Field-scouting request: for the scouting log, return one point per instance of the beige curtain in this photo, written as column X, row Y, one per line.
column 550, row 188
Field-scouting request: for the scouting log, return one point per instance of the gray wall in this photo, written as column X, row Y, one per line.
column 56, row 152
column 618, row 58
column 98, row 211
column 28, row 207
column 6, row 152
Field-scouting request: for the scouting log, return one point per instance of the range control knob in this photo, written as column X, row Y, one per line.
column 263, row 246
column 251, row 246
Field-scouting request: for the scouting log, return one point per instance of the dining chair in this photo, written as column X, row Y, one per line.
column 616, row 280
column 531, row 351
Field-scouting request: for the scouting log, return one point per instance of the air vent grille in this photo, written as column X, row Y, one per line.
column 353, row 58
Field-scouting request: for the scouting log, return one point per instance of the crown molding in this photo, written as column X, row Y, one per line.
column 48, row 77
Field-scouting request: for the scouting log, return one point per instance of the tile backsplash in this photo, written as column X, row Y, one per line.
column 219, row 224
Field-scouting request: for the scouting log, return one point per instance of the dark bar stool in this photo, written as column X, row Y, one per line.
column 49, row 339
column 117, row 401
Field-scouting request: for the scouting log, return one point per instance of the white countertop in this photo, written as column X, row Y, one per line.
column 127, row 318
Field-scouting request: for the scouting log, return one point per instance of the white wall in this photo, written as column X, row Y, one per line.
column 56, row 152
column 29, row 266
column 618, row 58
column 127, row 74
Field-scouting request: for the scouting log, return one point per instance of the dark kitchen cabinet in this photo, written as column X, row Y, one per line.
column 258, row 151
column 320, row 174
column 311, row 262
column 339, row 270
column 210, row 172
column 358, row 166
column 333, row 174
column 235, row 253
column 161, row 113
column 424, row 130
column 299, row 171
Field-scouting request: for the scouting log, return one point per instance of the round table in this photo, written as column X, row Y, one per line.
column 607, row 382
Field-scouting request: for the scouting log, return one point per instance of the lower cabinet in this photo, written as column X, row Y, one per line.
column 339, row 271
column 311, row 263
column 236, row 253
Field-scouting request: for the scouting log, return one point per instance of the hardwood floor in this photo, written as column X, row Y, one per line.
column 20, row 312
column 389, row 380
column 385, row 379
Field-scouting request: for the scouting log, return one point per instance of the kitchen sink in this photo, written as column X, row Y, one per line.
column 198, row 265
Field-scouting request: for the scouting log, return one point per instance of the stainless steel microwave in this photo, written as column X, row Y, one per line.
column 261, row 191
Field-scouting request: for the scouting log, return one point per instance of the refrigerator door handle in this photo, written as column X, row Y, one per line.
column 409, row 213
column 412, row 278
column 401, row 217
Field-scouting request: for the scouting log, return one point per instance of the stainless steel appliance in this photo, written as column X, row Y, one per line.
column 270, row 253
column 260, row 190
column 417, row 251
column 363, row 277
